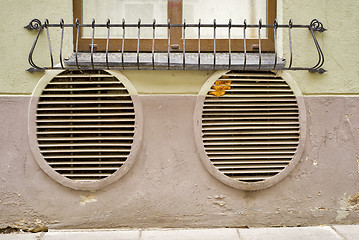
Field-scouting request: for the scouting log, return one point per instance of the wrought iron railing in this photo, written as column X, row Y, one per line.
column 243, row 60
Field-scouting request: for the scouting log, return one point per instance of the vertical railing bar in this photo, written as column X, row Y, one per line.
column 259, row 44
column 214, row 44
column 92, row 42
column 184, row 44
column 107, row 42
column 49, row 41
column 123, row 44
column 168, row 44
column 61, row 41
column 275, row 27
column 199, row 44
column 290, row 43
column 229, row 44
column 138, row 43
column 153, row 44
column 244, row 44
column 77, row 42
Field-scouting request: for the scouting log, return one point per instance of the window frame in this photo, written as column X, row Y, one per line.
column 161, row 45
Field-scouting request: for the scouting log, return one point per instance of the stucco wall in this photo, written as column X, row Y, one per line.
column 168, row 186
column 339, row 44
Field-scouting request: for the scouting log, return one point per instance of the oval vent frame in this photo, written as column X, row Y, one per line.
column 245, row 138
column 85, row 128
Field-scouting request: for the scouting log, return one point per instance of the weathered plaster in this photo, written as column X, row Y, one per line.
column 168, row 185
column 167, row 82
column 339, row 44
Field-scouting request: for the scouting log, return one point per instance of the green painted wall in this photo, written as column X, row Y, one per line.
column 339, row 43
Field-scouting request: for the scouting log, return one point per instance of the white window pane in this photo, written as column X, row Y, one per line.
column 130, row 10
column 222, row 11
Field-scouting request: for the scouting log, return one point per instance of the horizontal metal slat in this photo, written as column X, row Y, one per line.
column 83, row 108
column 229, row 128
column 84, row 114
column 247, row 99
column 261, row 113
column 86, row 175
column 83, row 82
column 86, row 156
column 114, row 126
column 236, row 162
column 258, row 142
column 252, row 132
column 251, row 122
column 83, row 138
column 43, row 145
column 207, row 118
column 84, row 89
column 259, row 95
column 97, row 150
column 235, row 109
column 255, row 84
column 84, row 76
column 211, row 153
column 257, row 171
column 85, row 120
column 250, row 178
column 252, row 148
column 262, row 138
column 85, row 132
column 251, row 75
column 241, row 166
column 235, row 157
column 82, row 95
column 220, row 104
column 74, row 102
column 232, row 91
column 85, row 163
column 86, row 169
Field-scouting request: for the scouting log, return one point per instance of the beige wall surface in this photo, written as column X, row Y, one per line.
column 339, row 44
column 168, row 186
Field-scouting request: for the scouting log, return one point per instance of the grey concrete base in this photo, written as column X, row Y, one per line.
column 344, row 232
column 208, row 234
column 347, row 231
column 168, row 186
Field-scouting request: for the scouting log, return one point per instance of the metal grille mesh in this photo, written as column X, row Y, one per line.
column 85, row 124
column 250, row 125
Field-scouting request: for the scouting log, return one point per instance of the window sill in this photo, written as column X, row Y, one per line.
column 176, row 61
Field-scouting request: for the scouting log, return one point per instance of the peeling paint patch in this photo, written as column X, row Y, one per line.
column 354, row 200
column 88, row 199
column 219, row 200
column 315, row 162
column 347, row 205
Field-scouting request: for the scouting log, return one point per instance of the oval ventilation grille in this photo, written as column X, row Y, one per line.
column 85, row 124
column 250, row 125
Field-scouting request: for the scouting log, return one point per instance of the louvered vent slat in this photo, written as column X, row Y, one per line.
column 250, row 125
column 85, row 124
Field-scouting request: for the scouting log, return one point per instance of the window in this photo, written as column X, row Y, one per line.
column 175, row 11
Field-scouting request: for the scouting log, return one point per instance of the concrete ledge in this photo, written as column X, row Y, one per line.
column 192, row 62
